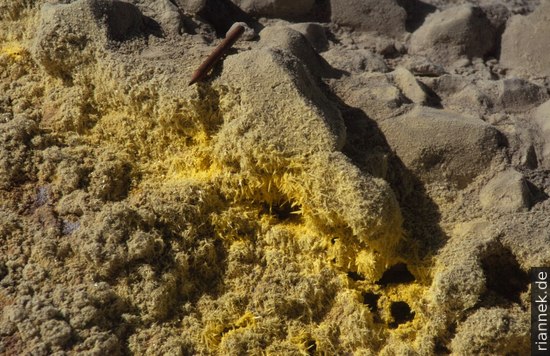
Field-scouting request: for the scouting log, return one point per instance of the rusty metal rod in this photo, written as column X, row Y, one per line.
column 231, row 37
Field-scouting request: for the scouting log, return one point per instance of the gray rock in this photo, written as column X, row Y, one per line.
column 471, row 100
column 519, row 95
column 424, row 67
column 484, row 96
column 284, row 9
column 123, row 19
column 447, row 36
column 525, row 44
column 167, row 15
column 57, row 51
column 221, row 14
column 355, row 61
column 440, row 145
column 508, row 192
column 406, row 81
column 373, row 93
column 383, row 16
column 288, row 39
column 314, row 33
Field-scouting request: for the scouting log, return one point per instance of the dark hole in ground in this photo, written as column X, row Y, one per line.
column 371, row 300
column 398, row 273
column 537, row 194
column 505, row 280
column 355, row 276
column 283, row 211
column 441, row 349
column 401, row 313
column 311, row 347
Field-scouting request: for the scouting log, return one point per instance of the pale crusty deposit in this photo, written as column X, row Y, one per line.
column 353, row 177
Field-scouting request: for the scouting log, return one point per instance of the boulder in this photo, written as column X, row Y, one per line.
column 314, row 33
column 525, row 44
column 383, row 16
column 508, row 192
column 283, row 9
column 168, row 16
column 373, row 93
column 458, row 32
column 440, row 145
column 472, row 100
column 511, row 95
column 288, row 39
column 124, row 20
column 519, row 95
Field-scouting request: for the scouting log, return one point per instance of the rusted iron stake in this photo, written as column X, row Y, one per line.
column 231, row 37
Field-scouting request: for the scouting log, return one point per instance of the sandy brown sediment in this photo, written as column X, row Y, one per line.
column 338, row 184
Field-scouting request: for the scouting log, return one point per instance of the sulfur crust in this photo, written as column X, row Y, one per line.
column 259, row 138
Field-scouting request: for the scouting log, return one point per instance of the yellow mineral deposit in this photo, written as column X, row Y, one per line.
column 228, row 217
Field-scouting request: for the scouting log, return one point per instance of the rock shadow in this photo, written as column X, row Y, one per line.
column 367, row 147
column 417, row 11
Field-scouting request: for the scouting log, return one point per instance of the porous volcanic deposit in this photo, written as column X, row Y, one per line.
column 354, row 177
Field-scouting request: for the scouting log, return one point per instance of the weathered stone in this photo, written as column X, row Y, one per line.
column 508, row 192
column 519, row 95
column 284, row 9
column 406, row 81
column 424, row 67
column 447, row 36
column 525, row 44
column 373, row 93
column 441, row 145
column 314, row 33
column 288, row 39
column 167, row 15
column 471, row 100
column 382, row 16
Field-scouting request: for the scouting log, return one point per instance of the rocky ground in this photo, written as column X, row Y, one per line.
column 356, row 177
